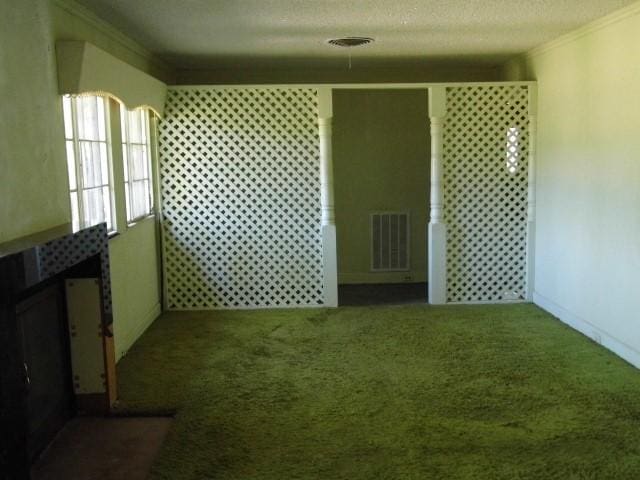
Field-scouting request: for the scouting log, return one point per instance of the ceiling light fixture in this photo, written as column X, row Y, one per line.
column 350, row 42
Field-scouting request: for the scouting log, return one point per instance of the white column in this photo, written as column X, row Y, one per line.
column 437, row 232
column 531, row 192
column 329, row 254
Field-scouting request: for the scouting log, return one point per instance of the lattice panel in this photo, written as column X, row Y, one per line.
column 62, row 253
column 485, row 155
column 240, row 177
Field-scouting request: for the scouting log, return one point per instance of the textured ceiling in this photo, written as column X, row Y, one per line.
column 281, row 33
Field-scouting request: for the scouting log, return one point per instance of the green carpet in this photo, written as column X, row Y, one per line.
column 415, row 392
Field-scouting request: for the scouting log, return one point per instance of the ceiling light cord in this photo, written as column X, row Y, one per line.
column 350, row 42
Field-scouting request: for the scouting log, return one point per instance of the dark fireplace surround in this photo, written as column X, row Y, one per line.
column 52, row 284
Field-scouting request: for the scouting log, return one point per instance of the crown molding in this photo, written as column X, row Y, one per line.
column 594, row 26
column 83, row 13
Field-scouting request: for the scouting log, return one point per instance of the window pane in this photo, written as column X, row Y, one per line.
column 71, row 166
column 87, row 118
column 135, row 129
column 88, row 160
column 68, row 119
column 75, row 214
column 91, row 164
column 137, row 162
column 136, row 165
column 138, row 201
column 93, row 203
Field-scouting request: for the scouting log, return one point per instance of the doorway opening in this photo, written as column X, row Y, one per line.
column 381, row 151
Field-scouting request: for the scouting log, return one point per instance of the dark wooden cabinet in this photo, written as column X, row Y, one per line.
column 49, row 399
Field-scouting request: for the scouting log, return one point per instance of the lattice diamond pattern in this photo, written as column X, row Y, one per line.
column 240, row 179
column 485, row 155
column 62, row 253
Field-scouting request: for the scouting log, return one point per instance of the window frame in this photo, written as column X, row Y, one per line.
column 128, row 167
column 81, row 222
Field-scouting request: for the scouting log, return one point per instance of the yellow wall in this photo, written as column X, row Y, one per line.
column 135, row 283
column 588, row 180
column 381, row 152
column 74, row 22
column 33, row 175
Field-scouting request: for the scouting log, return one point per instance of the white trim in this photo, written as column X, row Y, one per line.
column 624, row 351
column 157, row 192
column 531, row 193
column 108, row 143
column 599, row 24
column 81, row 12
column 490, row 302
column 130, row 336
column 327, row 202
column 246, row 309
column 85, row 68
column 127, row 145
column 141, row 220
column 329, row 266
column 347, row 86
column 436, row 228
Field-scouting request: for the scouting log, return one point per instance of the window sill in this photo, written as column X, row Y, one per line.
column 130, row 226
column 141, row 220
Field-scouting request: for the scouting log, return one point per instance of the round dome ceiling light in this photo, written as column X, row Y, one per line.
column 349, row 42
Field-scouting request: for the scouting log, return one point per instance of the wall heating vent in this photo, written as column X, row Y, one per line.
column 389, row 241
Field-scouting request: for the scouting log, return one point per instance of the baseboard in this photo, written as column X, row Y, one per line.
column 624, row 351
column 130, row 336
column 245, row 308
column 382, row 277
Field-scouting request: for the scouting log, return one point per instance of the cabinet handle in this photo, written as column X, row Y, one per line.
column 27, row 379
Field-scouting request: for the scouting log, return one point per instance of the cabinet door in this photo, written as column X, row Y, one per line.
column 14, row 463
column 49, row 397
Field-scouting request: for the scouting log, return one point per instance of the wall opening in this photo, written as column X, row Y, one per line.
column 381, row 150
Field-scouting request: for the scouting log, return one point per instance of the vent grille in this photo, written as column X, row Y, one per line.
column 390, row 241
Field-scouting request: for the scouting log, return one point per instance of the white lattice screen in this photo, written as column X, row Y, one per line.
column 485, row 163
column 241, row 198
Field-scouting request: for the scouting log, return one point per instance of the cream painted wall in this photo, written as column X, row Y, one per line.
column 135, row 283
column 72, row 21
column 588, row 181
column 33, row 175
column 381, row 152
